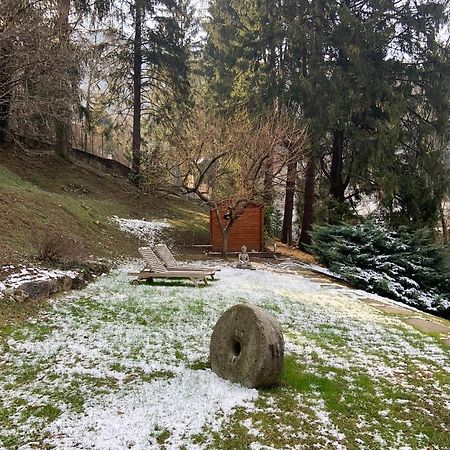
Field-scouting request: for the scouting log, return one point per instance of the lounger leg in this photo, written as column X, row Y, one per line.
column 194, row 280
column 206, row 282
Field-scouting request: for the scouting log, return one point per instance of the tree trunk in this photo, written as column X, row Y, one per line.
column 272, row 56
column 224, row 229
column 286, row 235
column 337, row 185
column 62, row 126
column 63, row 133
column 4, row 111
column 268, row 182
column 225, row 242
column 87, row 114
column 308, row 206
column 444, row 226
column 5, row 94
column 137, row 87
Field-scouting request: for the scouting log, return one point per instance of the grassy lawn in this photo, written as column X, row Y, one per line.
column 117, row 366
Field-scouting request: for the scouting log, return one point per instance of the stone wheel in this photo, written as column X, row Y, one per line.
column 247, row 346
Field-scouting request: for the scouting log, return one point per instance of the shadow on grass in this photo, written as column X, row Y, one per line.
column 174, row 283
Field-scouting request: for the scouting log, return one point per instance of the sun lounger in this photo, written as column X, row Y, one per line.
column 154, row 269
column 165, row 255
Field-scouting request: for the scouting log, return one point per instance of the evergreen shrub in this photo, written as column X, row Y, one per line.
column 403, row 265
column 273, row 222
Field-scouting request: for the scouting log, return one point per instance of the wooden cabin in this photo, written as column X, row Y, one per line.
column 248, row 229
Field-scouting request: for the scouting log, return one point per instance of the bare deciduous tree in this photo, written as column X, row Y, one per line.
column 36, row 75
column 218, row 159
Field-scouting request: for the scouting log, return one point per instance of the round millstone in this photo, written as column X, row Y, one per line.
column 247, row 347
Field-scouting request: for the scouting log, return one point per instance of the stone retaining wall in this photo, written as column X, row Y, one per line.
column 42, row 289
column 110, row 166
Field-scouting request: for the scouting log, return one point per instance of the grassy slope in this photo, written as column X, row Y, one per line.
column 41, row 194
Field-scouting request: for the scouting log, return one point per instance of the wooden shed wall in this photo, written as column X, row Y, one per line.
column 248, row 230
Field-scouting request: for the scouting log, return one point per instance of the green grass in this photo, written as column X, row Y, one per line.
column 80, row 205
column 163, row 436
column 345, row 402
column 9, row 179
column 297, row 377
column 383, row 382
column 200, row 365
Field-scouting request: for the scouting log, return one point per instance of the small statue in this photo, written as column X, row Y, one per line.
column 244, row 259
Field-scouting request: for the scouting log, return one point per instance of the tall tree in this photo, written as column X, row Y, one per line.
column 291, row 178
column 137, row 86
column 34, row 68
column 384, row 65
column 308, row 204
column 63, row 122
column 246, row 50
column 364, row 74
column 69, row 85
column 148, row 70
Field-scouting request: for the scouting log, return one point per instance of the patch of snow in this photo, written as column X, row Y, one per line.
column 24, row 274
column 327, row 428
column 378, row 438
column 313, row 267
column 324, row 270
column 251, row 430
column 146, row 230
column 259, row 446
column 181, row 406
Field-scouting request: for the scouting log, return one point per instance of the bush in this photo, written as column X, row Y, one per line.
column 402, row 265
column 273, row 222
column 55, row 247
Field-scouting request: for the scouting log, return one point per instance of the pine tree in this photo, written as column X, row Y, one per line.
column 64, row 34
column 385, row 66
column 148, row 74
column 246, row 51
column 365, row 75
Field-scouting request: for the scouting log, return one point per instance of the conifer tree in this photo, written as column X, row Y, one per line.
column 146, row 68
column 371, row 78
column 246, row 52
column 384, row 65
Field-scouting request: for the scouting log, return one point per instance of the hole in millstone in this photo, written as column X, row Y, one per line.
column 236, row 348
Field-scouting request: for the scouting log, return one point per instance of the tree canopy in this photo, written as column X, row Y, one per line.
column 368, row 80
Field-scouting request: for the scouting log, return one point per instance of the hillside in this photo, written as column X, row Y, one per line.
column 45, row 194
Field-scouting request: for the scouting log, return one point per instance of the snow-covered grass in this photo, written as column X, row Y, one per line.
column 117, row 366
column 144, row 229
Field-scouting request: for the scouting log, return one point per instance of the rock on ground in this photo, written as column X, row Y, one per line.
column 247, row 346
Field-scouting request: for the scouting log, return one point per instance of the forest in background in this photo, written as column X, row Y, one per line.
column 326, row 111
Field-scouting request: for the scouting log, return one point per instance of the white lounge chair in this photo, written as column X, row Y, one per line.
column 154, row 269
column 167, row 258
